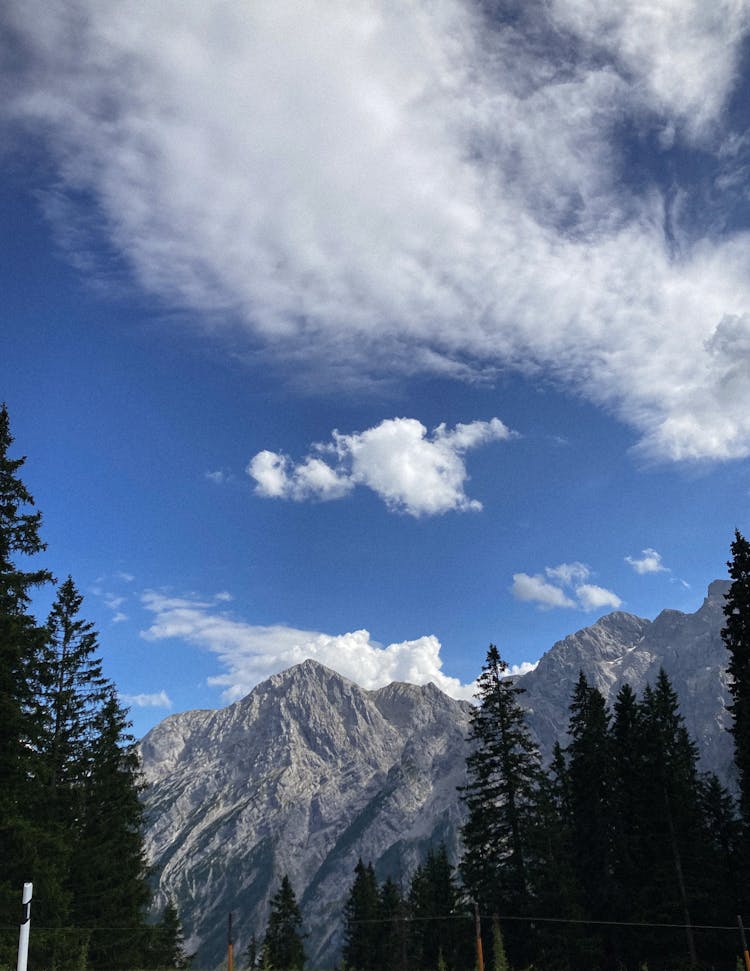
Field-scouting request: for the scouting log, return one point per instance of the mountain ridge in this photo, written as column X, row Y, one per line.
column 309, row 771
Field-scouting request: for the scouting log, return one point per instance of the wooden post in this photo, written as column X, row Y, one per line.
column 478, row 933
column 23, row 934
column 745, row 954
column 230, row 944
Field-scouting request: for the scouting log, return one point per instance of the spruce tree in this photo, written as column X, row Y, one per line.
column 70, row 692
column 736, row 637
column 109, row 858
column 590, row 781
column 393, row 940
column 21, row 839
column 283, row 948
column 361, row 921
column 501, row 796
column 167, row 943
column 433, row 907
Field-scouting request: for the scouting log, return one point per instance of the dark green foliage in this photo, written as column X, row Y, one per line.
column 736, row 636
column 394, row 931
column 362, row 930
column 283, row 948
column 502, row 798
column 20, row 638
column 70, row 814
column 590, row 805
column 434, row 905
column 166, row 949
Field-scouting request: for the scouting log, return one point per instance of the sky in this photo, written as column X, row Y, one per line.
column 373, row 332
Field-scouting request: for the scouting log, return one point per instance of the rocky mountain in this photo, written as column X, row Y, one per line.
column 310, row 772
column 622, row 648
column 303, row 776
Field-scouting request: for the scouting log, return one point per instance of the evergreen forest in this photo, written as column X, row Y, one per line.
column 70, row 811
column 621, row 854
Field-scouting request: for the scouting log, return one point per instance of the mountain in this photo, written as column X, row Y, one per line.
column 303, row 776
column 309, row 772
column 622, row 648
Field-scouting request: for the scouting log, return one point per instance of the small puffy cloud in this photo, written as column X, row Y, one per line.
column 249, row 653
column 568, row 574
column 158, row 700
column 563, row 586
column 535, row 589
column 592, row 597
column 518, row 670
column 412, row 471
column 648, row 562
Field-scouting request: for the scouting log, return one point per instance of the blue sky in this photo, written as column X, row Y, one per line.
column 370, row 333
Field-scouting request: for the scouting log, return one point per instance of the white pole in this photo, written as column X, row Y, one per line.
column 23, row 936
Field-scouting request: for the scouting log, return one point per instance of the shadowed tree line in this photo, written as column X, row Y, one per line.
column 70, row 812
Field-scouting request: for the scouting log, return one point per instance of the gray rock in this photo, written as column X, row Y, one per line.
column 310, row 772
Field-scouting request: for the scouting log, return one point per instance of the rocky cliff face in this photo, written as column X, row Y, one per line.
column 310, row 772
column 620, row 648
column 303, row 776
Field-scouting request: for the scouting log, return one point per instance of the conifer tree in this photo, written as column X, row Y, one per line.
column 167, row 942
column 501, row 796
column 70, row 692
column 109, row 859
column 433, row 907
column 590, row 780
column 669, row 785
column 20, row 638
column 361, row 921
column 736, row 636
column 283, row 948
column 393, row 942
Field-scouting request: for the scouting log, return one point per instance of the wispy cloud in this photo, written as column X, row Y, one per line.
column 563, row 586
column 249, row 653
column 648, row 562
column 159, row 699
column 419, row 188
column 412, row 471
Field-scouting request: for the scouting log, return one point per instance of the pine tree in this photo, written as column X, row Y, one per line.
column 669, row 783
column 109, row 858
column 70, row 693
column 501, row 796
column 21, row 851
column 736, row 637
column 393, row 940
column 283, row 948
column 590, row 780
column 433, row 907
column 362, row 930
column 167, row 941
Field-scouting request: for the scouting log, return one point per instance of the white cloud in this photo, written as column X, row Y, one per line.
column 411, row 471
column 158, row 700
column 592, row 597
column 568, row 573
column 649, row 562
column 250, row 653
column 548, row 590
column 404, row 188
column 535, row 589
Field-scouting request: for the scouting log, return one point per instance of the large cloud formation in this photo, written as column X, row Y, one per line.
column 249, row 653
column 411, row 471
column 420, row 187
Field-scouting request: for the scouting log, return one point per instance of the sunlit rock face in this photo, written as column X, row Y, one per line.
column 310, row 772
column 303, row 776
